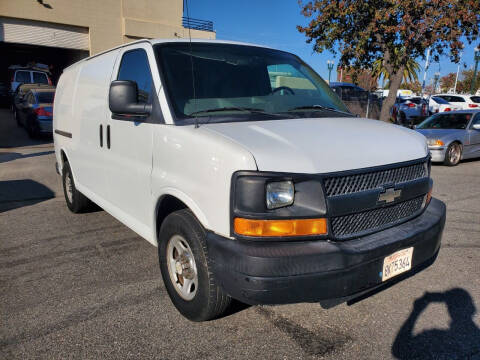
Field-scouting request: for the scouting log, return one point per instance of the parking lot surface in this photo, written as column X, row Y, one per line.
column 86, row 286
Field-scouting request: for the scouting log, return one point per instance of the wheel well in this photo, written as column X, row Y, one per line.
column 456, row 142
column 64, row 157
column 166, row 206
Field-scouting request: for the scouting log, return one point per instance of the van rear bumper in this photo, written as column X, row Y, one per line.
column 311, row 271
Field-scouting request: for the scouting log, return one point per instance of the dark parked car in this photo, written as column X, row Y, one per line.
column 351, row 92
column 19, row 95
column 34, row 113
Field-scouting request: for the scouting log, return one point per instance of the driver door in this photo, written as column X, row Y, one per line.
column 130, row 143
column 474, row 137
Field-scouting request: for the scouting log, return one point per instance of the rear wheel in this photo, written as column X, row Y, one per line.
column 186, row 269
column 15, row 116
column 32, row 130
column 76, row 201
column 453, row 154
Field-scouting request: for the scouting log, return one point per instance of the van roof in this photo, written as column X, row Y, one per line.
column 161, row 41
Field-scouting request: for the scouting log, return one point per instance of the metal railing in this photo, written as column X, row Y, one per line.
column 197, row 24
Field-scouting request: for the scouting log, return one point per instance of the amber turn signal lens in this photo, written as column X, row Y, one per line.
column 298, row 227
column 429, row 197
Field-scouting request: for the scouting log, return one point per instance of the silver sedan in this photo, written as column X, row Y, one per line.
column 452, row 136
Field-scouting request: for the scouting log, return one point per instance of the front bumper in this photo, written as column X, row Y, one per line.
column 311, row 271
column 437, row 153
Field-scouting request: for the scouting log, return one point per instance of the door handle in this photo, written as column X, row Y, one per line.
column 101, row 135
column 108, row 136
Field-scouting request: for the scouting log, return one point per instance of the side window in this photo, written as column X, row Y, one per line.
column 456, row 99
column 134, row 66
column 23, row 77
column 476, row 120
column 40, row 78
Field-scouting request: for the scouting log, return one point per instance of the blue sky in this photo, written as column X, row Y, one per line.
column 273, row 23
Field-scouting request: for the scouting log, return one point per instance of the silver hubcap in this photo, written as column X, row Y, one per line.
column 181, row 267
column 454, row 154
column 69, row 187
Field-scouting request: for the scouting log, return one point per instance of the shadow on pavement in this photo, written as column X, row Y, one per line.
column 13, row 136
column 10, row 156
column 18, row 193
column 18, row 140
column 461, row 340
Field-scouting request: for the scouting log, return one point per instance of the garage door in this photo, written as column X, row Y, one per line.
column 43, row 33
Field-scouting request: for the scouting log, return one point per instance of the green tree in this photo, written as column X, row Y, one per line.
column 447, row 82
column 410, row 71
column 466, row 82
column 364, row 31
column 415, row 86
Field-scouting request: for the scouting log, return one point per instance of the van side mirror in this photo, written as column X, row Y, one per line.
column 476, row 126
column 123, row 99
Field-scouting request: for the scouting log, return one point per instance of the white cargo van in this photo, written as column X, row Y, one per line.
column 247, row 172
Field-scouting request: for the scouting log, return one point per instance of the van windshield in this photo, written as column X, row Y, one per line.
column 242, row 83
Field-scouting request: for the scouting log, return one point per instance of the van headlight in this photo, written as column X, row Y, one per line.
column 274, row 205
column 280, row 194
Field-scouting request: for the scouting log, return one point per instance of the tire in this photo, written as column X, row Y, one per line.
column 453, row 154
column 76, row 201
column 15, row 116
column 32, row 130
column 182, row 235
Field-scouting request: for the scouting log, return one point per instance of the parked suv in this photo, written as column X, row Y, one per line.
column 27, row 75
column 255, row 188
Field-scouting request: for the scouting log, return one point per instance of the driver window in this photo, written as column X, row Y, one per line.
column 134, row 66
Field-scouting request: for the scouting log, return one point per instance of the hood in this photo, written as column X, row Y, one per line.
column 440, row 133
column 321, row 145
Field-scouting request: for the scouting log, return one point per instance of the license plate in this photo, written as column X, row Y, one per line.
column 397, row 263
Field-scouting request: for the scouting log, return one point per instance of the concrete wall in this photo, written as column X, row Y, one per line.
column 110, row 22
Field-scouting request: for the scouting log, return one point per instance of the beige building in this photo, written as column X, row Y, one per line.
column 59, row 32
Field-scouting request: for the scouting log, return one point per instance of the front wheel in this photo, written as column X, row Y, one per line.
column 453, row 154
column 186, row 269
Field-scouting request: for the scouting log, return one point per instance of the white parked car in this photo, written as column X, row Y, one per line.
column 265, row 193
column 463, row 102
column 437, row 104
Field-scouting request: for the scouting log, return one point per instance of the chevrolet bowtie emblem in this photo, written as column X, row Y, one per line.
column 389, row 195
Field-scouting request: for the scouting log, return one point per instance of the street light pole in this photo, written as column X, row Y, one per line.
column 425, row 71
column 456, row 77
column 330, row 68
column 436, row 76
column 476, row 58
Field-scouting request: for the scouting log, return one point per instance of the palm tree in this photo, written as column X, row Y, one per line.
column 409, row 73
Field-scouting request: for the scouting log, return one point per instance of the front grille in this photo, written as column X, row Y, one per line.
column 371, row 220
column 347, row 184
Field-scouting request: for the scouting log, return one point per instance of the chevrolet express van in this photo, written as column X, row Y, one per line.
column 248, row 173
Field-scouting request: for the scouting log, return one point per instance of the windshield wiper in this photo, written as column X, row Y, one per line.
column 320, row 108
column 234, row 108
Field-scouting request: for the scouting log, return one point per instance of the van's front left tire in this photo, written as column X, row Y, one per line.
column 187, row 270
column 76, row 201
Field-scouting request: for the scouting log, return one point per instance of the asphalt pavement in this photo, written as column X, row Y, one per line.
column 86, row 286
